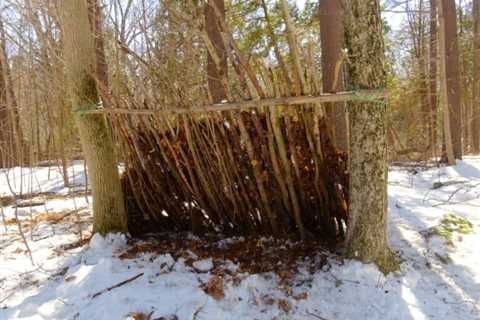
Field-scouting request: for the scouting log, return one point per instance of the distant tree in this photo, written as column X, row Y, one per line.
column 476, row 78
column 433, row 74
column 452, row 75
column 445, row 86
column 12, row 144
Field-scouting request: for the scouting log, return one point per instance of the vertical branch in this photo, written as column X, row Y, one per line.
column 293, row 45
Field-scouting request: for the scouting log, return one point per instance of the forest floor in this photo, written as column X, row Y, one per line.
column 434, row 225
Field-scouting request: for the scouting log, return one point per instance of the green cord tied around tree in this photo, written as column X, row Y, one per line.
column 83, row 110
column 361, row 96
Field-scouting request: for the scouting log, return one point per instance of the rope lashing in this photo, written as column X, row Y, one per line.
column 82, row 110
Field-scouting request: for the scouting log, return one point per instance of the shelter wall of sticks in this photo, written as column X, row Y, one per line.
column 259, row 161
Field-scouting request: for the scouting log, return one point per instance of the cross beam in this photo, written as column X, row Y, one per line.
column 267, row 102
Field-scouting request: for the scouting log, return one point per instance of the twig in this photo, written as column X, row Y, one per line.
column 454, row 193
column 196, row 313
column 3, row 219
column 117, row 285
column 7, row 296
column 315, row 315
column 20, row 230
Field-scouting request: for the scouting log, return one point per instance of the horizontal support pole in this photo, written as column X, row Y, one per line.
column 267, row 102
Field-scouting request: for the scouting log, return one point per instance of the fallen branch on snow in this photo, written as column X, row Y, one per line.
column 117, row 285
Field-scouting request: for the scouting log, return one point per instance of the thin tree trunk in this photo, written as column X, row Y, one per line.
column 444, row 86
column 367, row 231
column 216, row 73
column 332, row 38
column 452, row 75
column 433, row 76
column 12, row 100
column 79, row 54
column 476, row 78
column 13, row 143
column 5, row 129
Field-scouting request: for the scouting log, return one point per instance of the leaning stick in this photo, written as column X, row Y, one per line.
column 117, row 285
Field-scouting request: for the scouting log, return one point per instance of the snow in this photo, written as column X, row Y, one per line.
column 439, row 279
column 203, row 265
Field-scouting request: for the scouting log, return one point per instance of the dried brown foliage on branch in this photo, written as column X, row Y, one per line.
column 269, row 171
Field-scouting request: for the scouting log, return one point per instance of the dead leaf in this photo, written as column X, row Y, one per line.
column 301, row 296
column 214, row 288
column 139, row 316
column 284, row 305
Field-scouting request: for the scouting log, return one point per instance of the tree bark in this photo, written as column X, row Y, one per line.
column 452, row 75
column 367, row 231
column 445, row 86
column 476, row 78
column 11, row 133
column 433, row 76
column 79, row 54
column 332, row 39
column 217, row 74
column 5, row 127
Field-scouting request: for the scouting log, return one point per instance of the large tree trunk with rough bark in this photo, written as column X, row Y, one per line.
column 452, row 75
column 332, row 38
column 79, row 54
column 216, row 71
column 367, row 231
column 476, row 78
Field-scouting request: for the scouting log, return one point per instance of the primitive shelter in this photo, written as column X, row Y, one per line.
column 260, row 162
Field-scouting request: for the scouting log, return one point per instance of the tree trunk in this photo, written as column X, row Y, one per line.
column 476, row 78
column 11, row 134
column 367, row 230
column 216, row 74
column 445, row 86
column 332, row 38
column 79, row 54
column 452, row 75
column 433, row 76
column 5, row 128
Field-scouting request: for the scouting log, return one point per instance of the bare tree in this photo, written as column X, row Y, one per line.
column 452, row 75
column 12, row 145
column 433, row 75
column 476, row 78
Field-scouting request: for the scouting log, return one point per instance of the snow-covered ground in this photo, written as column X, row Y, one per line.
column 71, row 279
